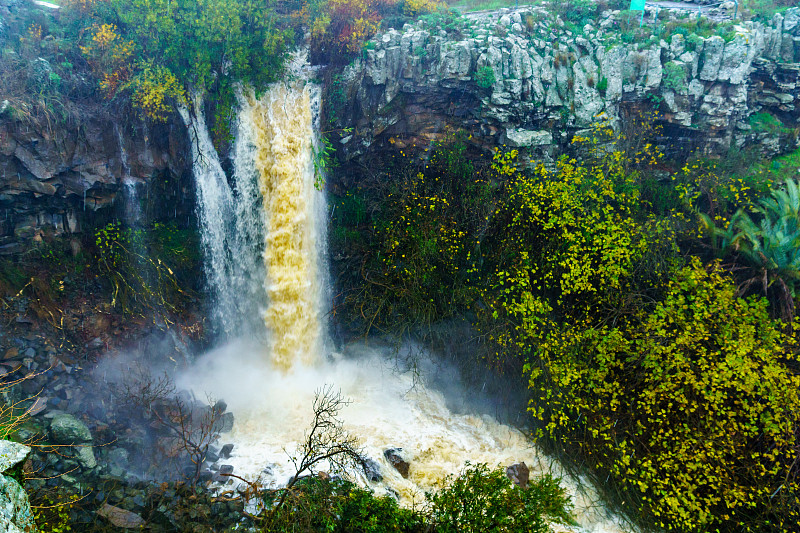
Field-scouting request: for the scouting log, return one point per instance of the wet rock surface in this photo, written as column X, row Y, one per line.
column 15, row 509
column 519, row 473
column 127, row 461
column 395, row 458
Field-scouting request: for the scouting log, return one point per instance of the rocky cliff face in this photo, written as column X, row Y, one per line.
column 55, row 178
column 521, row 78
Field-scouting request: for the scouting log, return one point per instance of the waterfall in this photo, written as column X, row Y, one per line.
column 281, row 128
column 264, row 242
column 228, row 248
column 132, row 207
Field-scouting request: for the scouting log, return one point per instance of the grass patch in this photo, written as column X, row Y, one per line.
column 466, row 6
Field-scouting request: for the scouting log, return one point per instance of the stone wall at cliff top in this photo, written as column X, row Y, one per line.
column 551, row 82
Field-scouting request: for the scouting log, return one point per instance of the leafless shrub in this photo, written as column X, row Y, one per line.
column 326, row 442
column 189, row 427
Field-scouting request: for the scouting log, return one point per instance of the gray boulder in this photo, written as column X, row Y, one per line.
column 66, row 429
column 15, row 510
column 11, row 453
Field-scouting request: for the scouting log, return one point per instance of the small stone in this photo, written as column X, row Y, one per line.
column 95, row 343
column 85, row 456
column 118, row 456
column 120, row 517
column 212, row 457
column 519, row 473
column 226, row 469
column 396, row 460
column 226, row 450
column 11, row 353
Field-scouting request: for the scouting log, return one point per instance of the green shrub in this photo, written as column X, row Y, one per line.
column 765, row 122
column 339, row 506
column 602, row 85
column 485, row 77
column 666, row 406
column 146, row 270
column 693, row 42
column 482, row 500
column 578, row 12
column 769, row 245
column 674, row 77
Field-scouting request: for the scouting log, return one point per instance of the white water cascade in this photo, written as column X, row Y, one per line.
column 228, row 244
column 132, row 207
column 264, row 242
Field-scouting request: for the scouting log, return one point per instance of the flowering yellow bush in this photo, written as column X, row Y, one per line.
column 153, row 90
column 110, row 57
column 414, row 8
column 694, row 408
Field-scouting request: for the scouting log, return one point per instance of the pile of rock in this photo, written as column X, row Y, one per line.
column 544, row 81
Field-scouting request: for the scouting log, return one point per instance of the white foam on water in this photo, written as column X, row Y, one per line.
column 387, row 409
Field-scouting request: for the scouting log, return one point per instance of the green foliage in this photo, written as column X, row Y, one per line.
column 693, row 42
column 770, row 245
column 569, row 252
column 52, row 515
column 420, row 248
column 602, row 85
column 715, row 188
column 578, row 12
column 667, row 404
column 485, row 77
column 674, row 77
column 170, row 46
column 764, row 122
column 140, row 280
column 481, row 500
column 154, row 87
column 476, row 501
column 763, row 10
column 339, row 28
column 339, row 506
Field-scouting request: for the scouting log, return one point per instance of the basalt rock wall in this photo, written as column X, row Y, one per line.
column 524, row 79
column 59, row 179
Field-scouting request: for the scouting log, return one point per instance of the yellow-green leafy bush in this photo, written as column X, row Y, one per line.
column 569, row 250
column 694, row 409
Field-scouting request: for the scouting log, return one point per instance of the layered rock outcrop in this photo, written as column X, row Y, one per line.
column 524, row 79
column 57, row 178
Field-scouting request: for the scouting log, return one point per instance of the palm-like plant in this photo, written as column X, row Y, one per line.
column 771, row 245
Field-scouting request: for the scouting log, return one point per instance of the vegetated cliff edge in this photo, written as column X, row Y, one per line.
column 515, row 77
column 525, row 79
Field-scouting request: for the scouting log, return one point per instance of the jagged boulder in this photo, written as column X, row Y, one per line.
column 66, row 429
column 15, row 510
